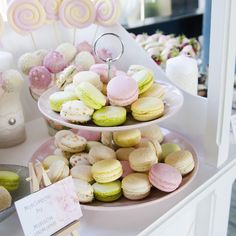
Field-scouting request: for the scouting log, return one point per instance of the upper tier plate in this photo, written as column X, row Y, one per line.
column 173, row 102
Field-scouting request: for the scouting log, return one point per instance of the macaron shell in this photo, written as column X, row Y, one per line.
column 147, row 108
column 136, row 186
column 83, row 172
column 165, row 177
column 107, row 192
column 156, row 90
column 122, row 154
column 109, row 116
column 181, row 160
column 106, row 171
column 127, row 138
column 153, row 131
column 168, row 148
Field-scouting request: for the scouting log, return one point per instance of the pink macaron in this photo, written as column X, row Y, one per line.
column 40, row 78
column 126, row 168
column 165, row 177
column 102, row 70
column 122, row 91
column 55, row 62
column 90, row 135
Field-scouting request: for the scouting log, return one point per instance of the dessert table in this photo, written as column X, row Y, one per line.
column 205, row 196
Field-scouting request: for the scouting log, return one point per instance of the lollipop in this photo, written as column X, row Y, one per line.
column 26, row 15
column 78, row 14
column 107, row 12
column 51, row 8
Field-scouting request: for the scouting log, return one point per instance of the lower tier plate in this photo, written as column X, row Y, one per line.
column 155, row 196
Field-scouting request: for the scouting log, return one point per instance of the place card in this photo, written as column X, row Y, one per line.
column 49, row 210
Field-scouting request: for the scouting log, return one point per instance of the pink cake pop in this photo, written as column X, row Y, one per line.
column 84, row 46
column 51, row 8
column 55, row 62
column 25, row 16
column 78, row 14
column 107, row 12
column 40, row 78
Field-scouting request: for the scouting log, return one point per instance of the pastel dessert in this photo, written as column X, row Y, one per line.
column 81, row 158
column 59, row 135
column 9, row 180
column 101, row 152
column 47, row 162
column 102, row 70
column 134, row 69
column 155, row 91
column 126, row 168
column 90, row 77
column 65, row 77
column 72, row 143
column 69, row 88
column 153, row 132
column 84, row 191
column 76, row 112
column 91, row 144
column 27, row 61
column 168, row 148
column 127, row 138
column 142, row 159
column 85, row 60
column 181, row 160
column 5, row 198
column 107, row 192
column 122, row 154
column 90, row 95
column 152, row 144
column 83, row 172
column 136, row 186
column 106, row 139
column 68, row 50
column 84, row 46
column 58, row 170
column 122, row 91
column 59, row 152
column 109, row 116
column 39, row 78
column 54, row 62
column 147, row 108
column 145, row 80
column 40, row 54
column 89, row 135
column 106, row 171
column 57, row 99
column 165, row 177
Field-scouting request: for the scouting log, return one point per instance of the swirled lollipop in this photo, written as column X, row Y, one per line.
column 78, row 14
column 107, row 12
column 25, row 16
column 51, row 8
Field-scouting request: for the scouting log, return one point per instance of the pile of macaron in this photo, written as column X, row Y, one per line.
column 108, row 165
column 43, row 68
column 91, row 95
column 162, row 47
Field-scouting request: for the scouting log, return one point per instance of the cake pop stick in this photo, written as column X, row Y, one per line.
column 107, row 13
column 77, row 14
column 25, row 16
column 1, row 29
column 52, row 12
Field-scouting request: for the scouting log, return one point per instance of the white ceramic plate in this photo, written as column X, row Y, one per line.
column 173, row 102
column 155, row 196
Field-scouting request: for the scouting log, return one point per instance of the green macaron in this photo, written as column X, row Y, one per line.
column 107, row 192
column 145, row 80
column 109, row 116
column 90, row 95
column 168, row 148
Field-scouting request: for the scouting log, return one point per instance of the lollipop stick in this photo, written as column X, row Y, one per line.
column 95, row 34
column 74, row 37
column 55, row 31
column 34, row 43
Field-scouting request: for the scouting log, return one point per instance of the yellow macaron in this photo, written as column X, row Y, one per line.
column 147, row 108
